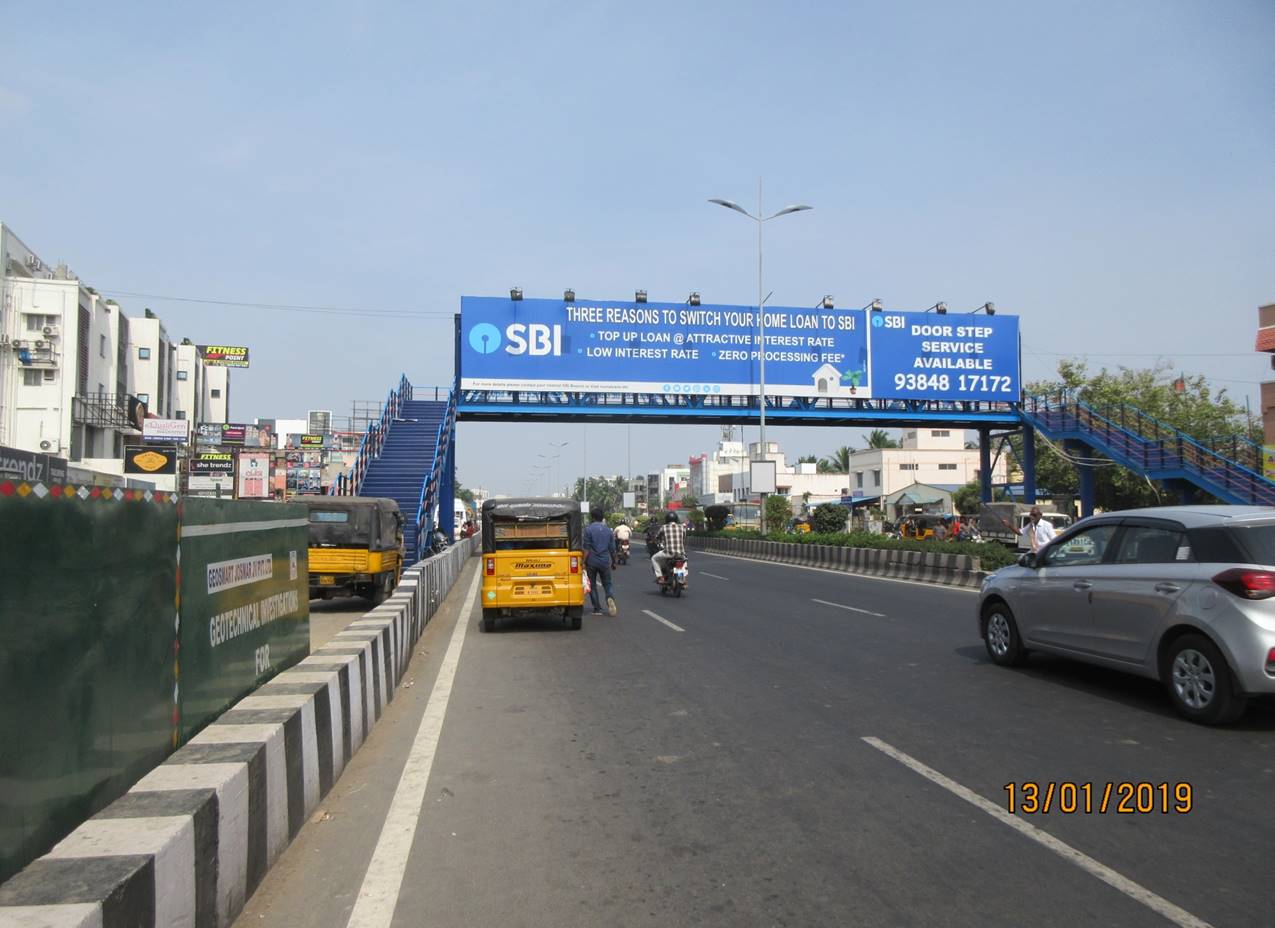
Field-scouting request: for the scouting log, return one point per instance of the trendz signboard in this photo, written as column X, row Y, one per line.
column 611, row 346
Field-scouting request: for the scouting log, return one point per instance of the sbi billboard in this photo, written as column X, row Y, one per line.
column 606, row 346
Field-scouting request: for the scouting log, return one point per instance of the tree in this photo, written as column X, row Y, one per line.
column 968, row 498
column 778, row 511
column 696, row 518
column 462, row 493
column 1189, row 405
column 829, row 518
column 607, row 492
column 808, row 459
column 879, row 438
column 838, row 462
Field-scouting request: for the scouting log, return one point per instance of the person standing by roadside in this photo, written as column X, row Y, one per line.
column 1037, row 532
column 599, row 560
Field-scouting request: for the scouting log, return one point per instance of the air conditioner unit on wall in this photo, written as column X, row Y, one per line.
column 41, row 344
column 45, row 445
column 51, row 331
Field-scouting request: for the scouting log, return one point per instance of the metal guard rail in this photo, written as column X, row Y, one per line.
column 349, row 483
column 1156, row 445
column 430, row 485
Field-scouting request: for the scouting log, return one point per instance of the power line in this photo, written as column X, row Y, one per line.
column 287, row 307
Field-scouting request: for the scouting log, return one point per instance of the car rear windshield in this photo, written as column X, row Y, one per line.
column 319, row 515
column 523, row 536
column 1257, row 542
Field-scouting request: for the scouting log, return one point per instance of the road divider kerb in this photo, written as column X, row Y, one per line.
column 956, row 570
column 192, row 840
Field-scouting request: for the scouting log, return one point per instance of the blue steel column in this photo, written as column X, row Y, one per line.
column 1086, row 474
column 447, row 498
column 984, row 466
column 1029, row 464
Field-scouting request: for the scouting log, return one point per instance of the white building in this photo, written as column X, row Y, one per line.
column 729, row 457
column 70, row 360
column 935, row 457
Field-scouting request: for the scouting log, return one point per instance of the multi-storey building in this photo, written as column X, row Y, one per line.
column 72, row 366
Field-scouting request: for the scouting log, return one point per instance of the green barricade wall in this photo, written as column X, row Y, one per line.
column 87, row 616
column 245, row 607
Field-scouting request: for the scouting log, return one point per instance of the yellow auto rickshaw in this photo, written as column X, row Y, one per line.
column 920, row 525
column 533, row 559
column 356, row 546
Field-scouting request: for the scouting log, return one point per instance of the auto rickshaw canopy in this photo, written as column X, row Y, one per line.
column 531, row 523
column 370, row 522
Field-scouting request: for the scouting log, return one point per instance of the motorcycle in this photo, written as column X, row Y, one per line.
column 675, row 577
column 622, row 552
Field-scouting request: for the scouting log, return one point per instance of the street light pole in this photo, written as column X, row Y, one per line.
column 761, row 219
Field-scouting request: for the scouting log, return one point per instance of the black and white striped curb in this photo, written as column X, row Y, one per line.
column 961, row 570
column 188, row 844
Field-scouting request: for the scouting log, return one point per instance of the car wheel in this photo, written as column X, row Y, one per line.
column 1200, row 683
column 489, row 621
column 1000, row 635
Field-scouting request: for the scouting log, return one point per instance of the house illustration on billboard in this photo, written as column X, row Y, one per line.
column 830, row 381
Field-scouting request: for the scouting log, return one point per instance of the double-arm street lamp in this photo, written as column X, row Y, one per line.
column 761, row 219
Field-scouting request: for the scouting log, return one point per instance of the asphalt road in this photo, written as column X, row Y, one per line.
column 635, row 774
column 328, row 617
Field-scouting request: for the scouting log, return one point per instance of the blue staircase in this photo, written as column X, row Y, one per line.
column 1230, row 469
column 406, row 457
column 409, row 456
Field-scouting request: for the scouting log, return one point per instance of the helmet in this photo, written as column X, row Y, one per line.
column 671, row 517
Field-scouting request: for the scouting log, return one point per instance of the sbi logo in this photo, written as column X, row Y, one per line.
column 533, row 339
column 484, row 338
column 880, row 320
column 877, row 322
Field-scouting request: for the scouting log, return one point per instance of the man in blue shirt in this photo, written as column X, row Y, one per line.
column 599, row 560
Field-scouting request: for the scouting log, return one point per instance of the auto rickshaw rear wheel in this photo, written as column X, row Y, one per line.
column 489, row 620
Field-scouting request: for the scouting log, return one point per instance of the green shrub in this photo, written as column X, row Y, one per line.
column 991, row 555
column 829, row 518
column 778, row 512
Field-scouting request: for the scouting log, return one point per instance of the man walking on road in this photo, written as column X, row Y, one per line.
column 599, row 560
column 1037, row 532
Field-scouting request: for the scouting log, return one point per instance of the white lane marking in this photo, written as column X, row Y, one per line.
column 660, row 618
column 1134, row 891
column 842, row 573
column 824, row 602
column 378, row 896
column 705, row 573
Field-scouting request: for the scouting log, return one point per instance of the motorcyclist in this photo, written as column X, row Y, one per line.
column 622, row 535
column 672, row 541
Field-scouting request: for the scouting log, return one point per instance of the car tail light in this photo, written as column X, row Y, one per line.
column 491, row 566
column 575, row 565
column 1246, row 583
column 1270, row 661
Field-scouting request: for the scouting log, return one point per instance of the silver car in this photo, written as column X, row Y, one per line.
column 1181, row 594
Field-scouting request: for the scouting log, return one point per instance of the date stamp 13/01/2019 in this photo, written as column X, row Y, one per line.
column 1080, row 798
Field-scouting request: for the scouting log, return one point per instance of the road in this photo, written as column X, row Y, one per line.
column 709, row 767
column 329, row 616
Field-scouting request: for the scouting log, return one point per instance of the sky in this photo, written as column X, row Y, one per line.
column 1105, row 170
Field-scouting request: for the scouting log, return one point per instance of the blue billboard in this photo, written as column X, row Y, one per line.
column 927, row 356
column 612, row 346
column 609, row 346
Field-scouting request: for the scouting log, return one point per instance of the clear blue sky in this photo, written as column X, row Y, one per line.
column 1105, row 170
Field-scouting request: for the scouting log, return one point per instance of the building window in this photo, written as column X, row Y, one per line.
column 941, row 433
column 50, row 375
column 31, row 378
column 907, row 467
column 876, row 478
column 911, row 434
column 145, row 398
column 183, row 375
column 101, row 346
column 216, row 393
column 858, row 479
column 181, row 414
column 143, row 354
column 947, row 467
column 36, row 322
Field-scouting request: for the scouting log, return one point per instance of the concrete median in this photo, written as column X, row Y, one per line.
column 960, row 570
column 186, row 846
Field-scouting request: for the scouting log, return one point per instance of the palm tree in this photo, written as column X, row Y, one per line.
column 808, row 459
column 879, row 438
column 838, row 462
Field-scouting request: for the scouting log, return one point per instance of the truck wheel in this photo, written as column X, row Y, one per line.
column 489, row 620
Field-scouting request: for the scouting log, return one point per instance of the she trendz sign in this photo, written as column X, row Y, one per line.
column 605, row 346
